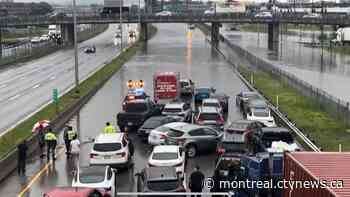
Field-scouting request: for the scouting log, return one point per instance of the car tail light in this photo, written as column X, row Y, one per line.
column 163, row 136
column 199, row 120
column 92, row 155
column 220, row 120
column 180, row 141
column 121, row 154
column 220, row 151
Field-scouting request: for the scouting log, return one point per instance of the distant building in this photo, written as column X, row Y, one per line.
column 7, row 1
column 299, row 1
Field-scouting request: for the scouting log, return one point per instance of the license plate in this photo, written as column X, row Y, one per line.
column 129, row 123
column 107, row 157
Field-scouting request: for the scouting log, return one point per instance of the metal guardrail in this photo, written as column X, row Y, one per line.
column 294, row 18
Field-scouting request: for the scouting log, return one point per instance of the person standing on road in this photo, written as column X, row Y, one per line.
column 75, row 150
column 109, row 128
column 196, row 181
column 68, row 136
column 41, row 140
column 51, row 142
column 22, row 156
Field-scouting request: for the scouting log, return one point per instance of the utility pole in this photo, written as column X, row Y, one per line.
column 76, row 67
column 121, row 24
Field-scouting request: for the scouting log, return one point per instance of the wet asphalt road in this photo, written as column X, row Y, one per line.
column 329, row 72
column 171, row 50
column 27, row 86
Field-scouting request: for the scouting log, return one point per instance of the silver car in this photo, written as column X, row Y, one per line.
column 194, row 138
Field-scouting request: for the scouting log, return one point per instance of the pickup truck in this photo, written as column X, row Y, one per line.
column 136, row 112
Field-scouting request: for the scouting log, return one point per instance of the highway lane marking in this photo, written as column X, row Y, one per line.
column 53, row 77
column 35, row 178
column 3, row 85
column 36, row 86
column 14, row 97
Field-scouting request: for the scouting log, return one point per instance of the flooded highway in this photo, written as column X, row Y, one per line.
column 320, row 67
column 174, row 48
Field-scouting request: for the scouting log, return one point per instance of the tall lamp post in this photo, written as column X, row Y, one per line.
column 76, row 67
column 121, row 24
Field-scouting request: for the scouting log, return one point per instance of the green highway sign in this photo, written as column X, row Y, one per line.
column 55, row 95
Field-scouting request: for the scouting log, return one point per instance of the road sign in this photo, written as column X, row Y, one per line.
column 55, row 95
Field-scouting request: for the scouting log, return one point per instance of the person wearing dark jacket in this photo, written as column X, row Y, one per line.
column 41, row 140
column 196, row 181
column 22, row 156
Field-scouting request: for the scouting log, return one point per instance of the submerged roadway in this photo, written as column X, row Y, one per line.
column 174, row 48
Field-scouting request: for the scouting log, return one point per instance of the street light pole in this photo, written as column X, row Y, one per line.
column 76, row 67
column 121, row 24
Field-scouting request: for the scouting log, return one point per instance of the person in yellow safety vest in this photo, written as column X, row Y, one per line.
column 68, row 136
column 51, row 142
column 109, row 128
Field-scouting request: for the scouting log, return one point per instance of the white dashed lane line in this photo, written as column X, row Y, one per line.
column 14, row 97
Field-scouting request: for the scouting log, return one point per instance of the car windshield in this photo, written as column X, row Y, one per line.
column 251, row 96
column 164, row 156
column 172, row 110
column 163, row 129
column 163, row 185
column 106, row 147
column 175, row 133
column 261, row 113
column 184, row 83
column 268, row 138
column 209, row 116
column 151, row 124
column 136, row 107
column 211, row 104
column 91, row 177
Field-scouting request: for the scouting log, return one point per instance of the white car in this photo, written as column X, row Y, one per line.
column 44, row 38
column 312, row 15
column 99, row 177
column 213, row 102
column 35, row 40
column 158, row 135
column 111, row 149
column 263, row 15
column 164, row 13
column 178, row 109
column 262, row 115
column 211, row 11
column 168, row 155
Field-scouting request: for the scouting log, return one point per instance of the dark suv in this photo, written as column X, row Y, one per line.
column 136, row 112
column 242, row 130
column 159, row 179
column 262, row 139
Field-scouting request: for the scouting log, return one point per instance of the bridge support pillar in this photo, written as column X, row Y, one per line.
column 67, row 32
column 273, row 36
column 215, row 34
column 144, row 32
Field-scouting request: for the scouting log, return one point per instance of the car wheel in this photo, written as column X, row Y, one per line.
column 191, row 151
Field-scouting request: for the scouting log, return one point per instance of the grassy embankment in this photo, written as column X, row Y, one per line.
column 326, row 131
column 23, row 131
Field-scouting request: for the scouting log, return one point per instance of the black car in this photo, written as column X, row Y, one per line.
column 159, row 179
column 154, row 122
column 136, row 112
column 223, row 99
column 131, row 97
column 242, row 130
column 243, row 97
column 228, row 168
column 262, row 139
column 90, row 49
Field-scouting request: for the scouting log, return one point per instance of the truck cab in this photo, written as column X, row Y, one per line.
column 263, row 167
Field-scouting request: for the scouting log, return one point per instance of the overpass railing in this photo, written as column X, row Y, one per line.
column 286, row 17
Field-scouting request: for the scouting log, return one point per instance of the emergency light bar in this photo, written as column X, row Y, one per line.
column 135, row 84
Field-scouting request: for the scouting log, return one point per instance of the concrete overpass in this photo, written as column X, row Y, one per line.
column 215, row 19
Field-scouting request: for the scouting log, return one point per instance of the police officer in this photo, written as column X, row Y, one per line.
column 68, row 136
column 109, row 128
column 51, row 142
